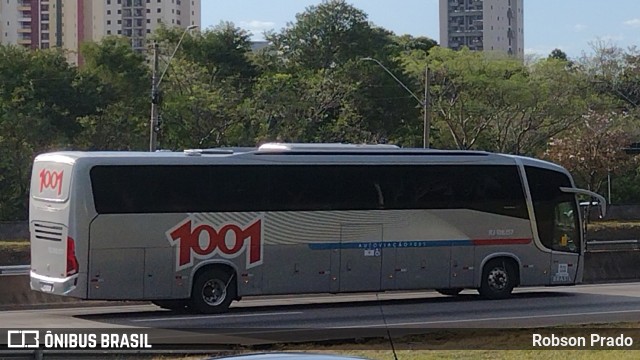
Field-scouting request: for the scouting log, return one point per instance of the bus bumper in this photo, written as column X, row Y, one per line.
column 55, row 286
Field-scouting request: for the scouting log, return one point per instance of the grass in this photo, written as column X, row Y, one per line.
column 412, row 347
column 14, row 245
column 613, row 225
column 471, row 355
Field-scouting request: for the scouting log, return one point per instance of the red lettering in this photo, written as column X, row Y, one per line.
column 195, row 240
column 238, row 239
column 183, row 235
column 51, row 180
column 188, row 241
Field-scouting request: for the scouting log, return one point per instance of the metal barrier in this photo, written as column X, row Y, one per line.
column 14, row 270
column 613, row 245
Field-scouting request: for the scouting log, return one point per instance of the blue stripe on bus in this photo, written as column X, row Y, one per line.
column 418, row 244
column 390, row 244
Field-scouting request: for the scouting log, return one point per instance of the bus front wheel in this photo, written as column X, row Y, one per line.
column 498, row 279
column 213, row 291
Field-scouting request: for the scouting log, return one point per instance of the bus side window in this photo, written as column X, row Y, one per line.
column 564, row 229
column 380, row 195
column 545, row 223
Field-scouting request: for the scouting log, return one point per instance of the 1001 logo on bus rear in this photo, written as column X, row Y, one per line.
column 203, row 241
column 50, row 179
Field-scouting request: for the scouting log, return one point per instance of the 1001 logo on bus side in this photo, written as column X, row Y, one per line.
column 203, row 241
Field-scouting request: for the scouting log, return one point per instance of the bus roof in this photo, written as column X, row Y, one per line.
column 292, row 153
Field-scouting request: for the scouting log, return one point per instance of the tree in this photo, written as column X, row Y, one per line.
column 120, row 79
column 38, row 111
column 222, row 50
column 328, row 36
column 197, row 113
column 484, row 101
column 122, row 71
column 558, row 55
column 470, row 91
column 551, row 99
column 593, row 150
column 408, row 43
column 615, row 72
column 314, row 106
column 320, row 57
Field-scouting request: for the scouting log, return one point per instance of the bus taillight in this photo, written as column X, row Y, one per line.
column 72, row 261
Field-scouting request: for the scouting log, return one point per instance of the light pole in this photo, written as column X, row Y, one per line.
column 424, row 102
column 155, row 86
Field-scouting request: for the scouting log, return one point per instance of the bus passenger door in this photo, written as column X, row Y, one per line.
column 462, row 266
column 565, row 243
column 360, row 257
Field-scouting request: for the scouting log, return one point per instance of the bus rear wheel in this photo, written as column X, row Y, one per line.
column 213, row 291
column 450, row 292
column 498, row 279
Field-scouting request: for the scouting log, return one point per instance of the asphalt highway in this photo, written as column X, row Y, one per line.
column 324, row 317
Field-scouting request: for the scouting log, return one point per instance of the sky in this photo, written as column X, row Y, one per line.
column 570, row 25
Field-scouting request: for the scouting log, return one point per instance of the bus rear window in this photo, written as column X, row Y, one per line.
column 50, row 181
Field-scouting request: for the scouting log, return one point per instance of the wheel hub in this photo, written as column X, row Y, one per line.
column 498, row 279
column 214, row 292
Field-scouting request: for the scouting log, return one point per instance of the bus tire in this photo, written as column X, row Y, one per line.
column 449, row 292
column 498, row 279
column 173, row 305
column 213, row 291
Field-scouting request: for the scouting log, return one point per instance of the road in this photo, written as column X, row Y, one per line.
column 264, row 320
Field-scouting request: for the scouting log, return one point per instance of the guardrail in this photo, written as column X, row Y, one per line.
column 14, row 270
column 613, row 245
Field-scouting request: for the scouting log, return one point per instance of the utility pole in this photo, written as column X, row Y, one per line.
column 424, row 102
column 425, row 108
column 154, row 101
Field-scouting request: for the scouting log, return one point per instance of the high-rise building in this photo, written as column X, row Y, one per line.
column 69, row 23
column 30, row 23
column 488, row 25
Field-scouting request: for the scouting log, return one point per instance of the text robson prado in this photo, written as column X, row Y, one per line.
column 594, row 340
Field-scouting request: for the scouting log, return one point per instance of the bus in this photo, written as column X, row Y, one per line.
column 199, row 229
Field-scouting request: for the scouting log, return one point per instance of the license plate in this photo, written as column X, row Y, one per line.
column 46, row 287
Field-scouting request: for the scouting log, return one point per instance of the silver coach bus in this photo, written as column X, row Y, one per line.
column 202, row 228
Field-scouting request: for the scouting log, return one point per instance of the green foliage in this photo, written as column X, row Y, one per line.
column 328, row 36
column 38, row 110
column 118, row 81
column 625, row 187
column 310, row 84
column 558, row 55
column 593, row 150
column 197, row 113
column 315, row 106
column 222, row 50
column 121, row 70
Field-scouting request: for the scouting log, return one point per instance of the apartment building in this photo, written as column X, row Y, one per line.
column 484, row 25
column 39, row 24
column 30, row 23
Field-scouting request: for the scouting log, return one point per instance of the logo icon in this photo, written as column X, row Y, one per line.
column 23, row 339
column 203, row 241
